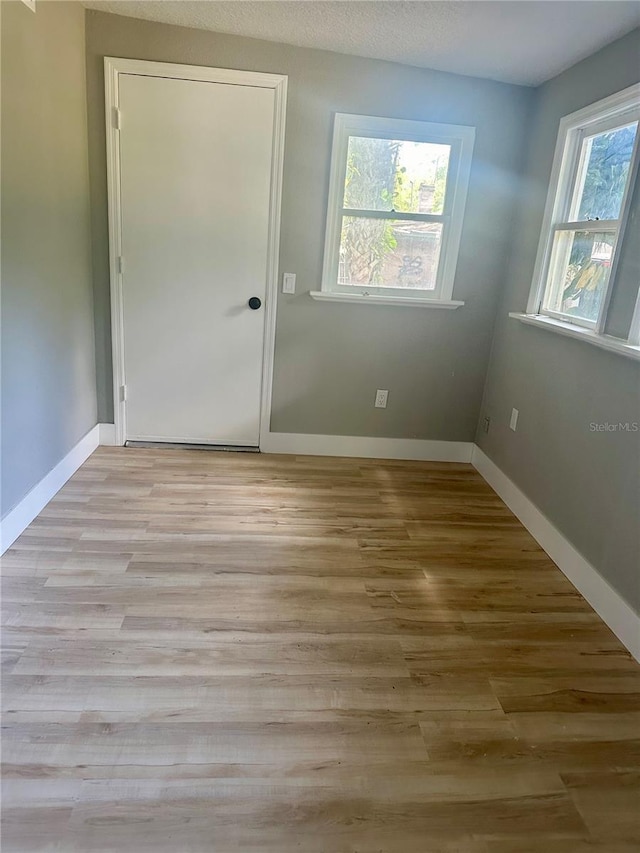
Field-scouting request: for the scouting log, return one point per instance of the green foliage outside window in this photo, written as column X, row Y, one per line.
column 375, row 180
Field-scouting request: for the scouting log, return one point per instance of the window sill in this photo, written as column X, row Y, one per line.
column 375, row 299
column 587, row 335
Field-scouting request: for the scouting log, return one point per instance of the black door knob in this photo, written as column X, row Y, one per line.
column 254, row 303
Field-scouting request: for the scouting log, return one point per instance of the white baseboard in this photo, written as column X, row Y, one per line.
column 35, row 501
column 107, row 434
column 21, row 516
column 608, row 604
column 366, row 447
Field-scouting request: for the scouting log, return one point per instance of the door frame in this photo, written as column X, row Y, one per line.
column 113, row 67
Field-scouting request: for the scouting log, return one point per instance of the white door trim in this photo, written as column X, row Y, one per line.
column 113, row 67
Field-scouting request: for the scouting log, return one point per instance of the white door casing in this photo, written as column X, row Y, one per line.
column 180, row 217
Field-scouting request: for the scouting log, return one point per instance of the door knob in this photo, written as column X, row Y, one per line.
column 255, row 303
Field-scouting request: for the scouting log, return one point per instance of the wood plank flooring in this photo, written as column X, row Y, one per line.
column 224, row 652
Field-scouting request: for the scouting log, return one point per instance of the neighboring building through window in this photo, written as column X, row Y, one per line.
column 396, row 202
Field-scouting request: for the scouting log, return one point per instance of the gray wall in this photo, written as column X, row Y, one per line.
column 587, row 483
column 330, row 358
column 48, row 365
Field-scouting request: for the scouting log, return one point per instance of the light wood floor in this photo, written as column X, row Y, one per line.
column 224, row 652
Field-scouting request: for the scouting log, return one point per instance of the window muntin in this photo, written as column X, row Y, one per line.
column 396, row 201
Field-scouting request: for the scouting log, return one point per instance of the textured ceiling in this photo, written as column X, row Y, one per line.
column 517, row 41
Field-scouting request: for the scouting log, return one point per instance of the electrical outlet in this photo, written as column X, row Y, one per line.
column 513, row 423
column 381, row 399
column 289, row 282
column 486, row 423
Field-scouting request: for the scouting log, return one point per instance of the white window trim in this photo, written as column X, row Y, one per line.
column 379, row 299
column 588, row 336
column 565, row 162
column 461, row 139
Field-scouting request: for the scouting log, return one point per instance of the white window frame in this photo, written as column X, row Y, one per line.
column 613, row 111
column 461, row 140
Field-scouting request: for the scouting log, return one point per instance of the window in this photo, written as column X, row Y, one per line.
column 587, row 209
column 396, row 201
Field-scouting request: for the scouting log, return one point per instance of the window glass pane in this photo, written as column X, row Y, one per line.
column 579, row 271
column 389, row 253
column 388, row 174
column 602, row 177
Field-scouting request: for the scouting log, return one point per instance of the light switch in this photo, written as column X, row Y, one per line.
column 289, row 282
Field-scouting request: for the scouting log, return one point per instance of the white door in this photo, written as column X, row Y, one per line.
column 195, row 184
